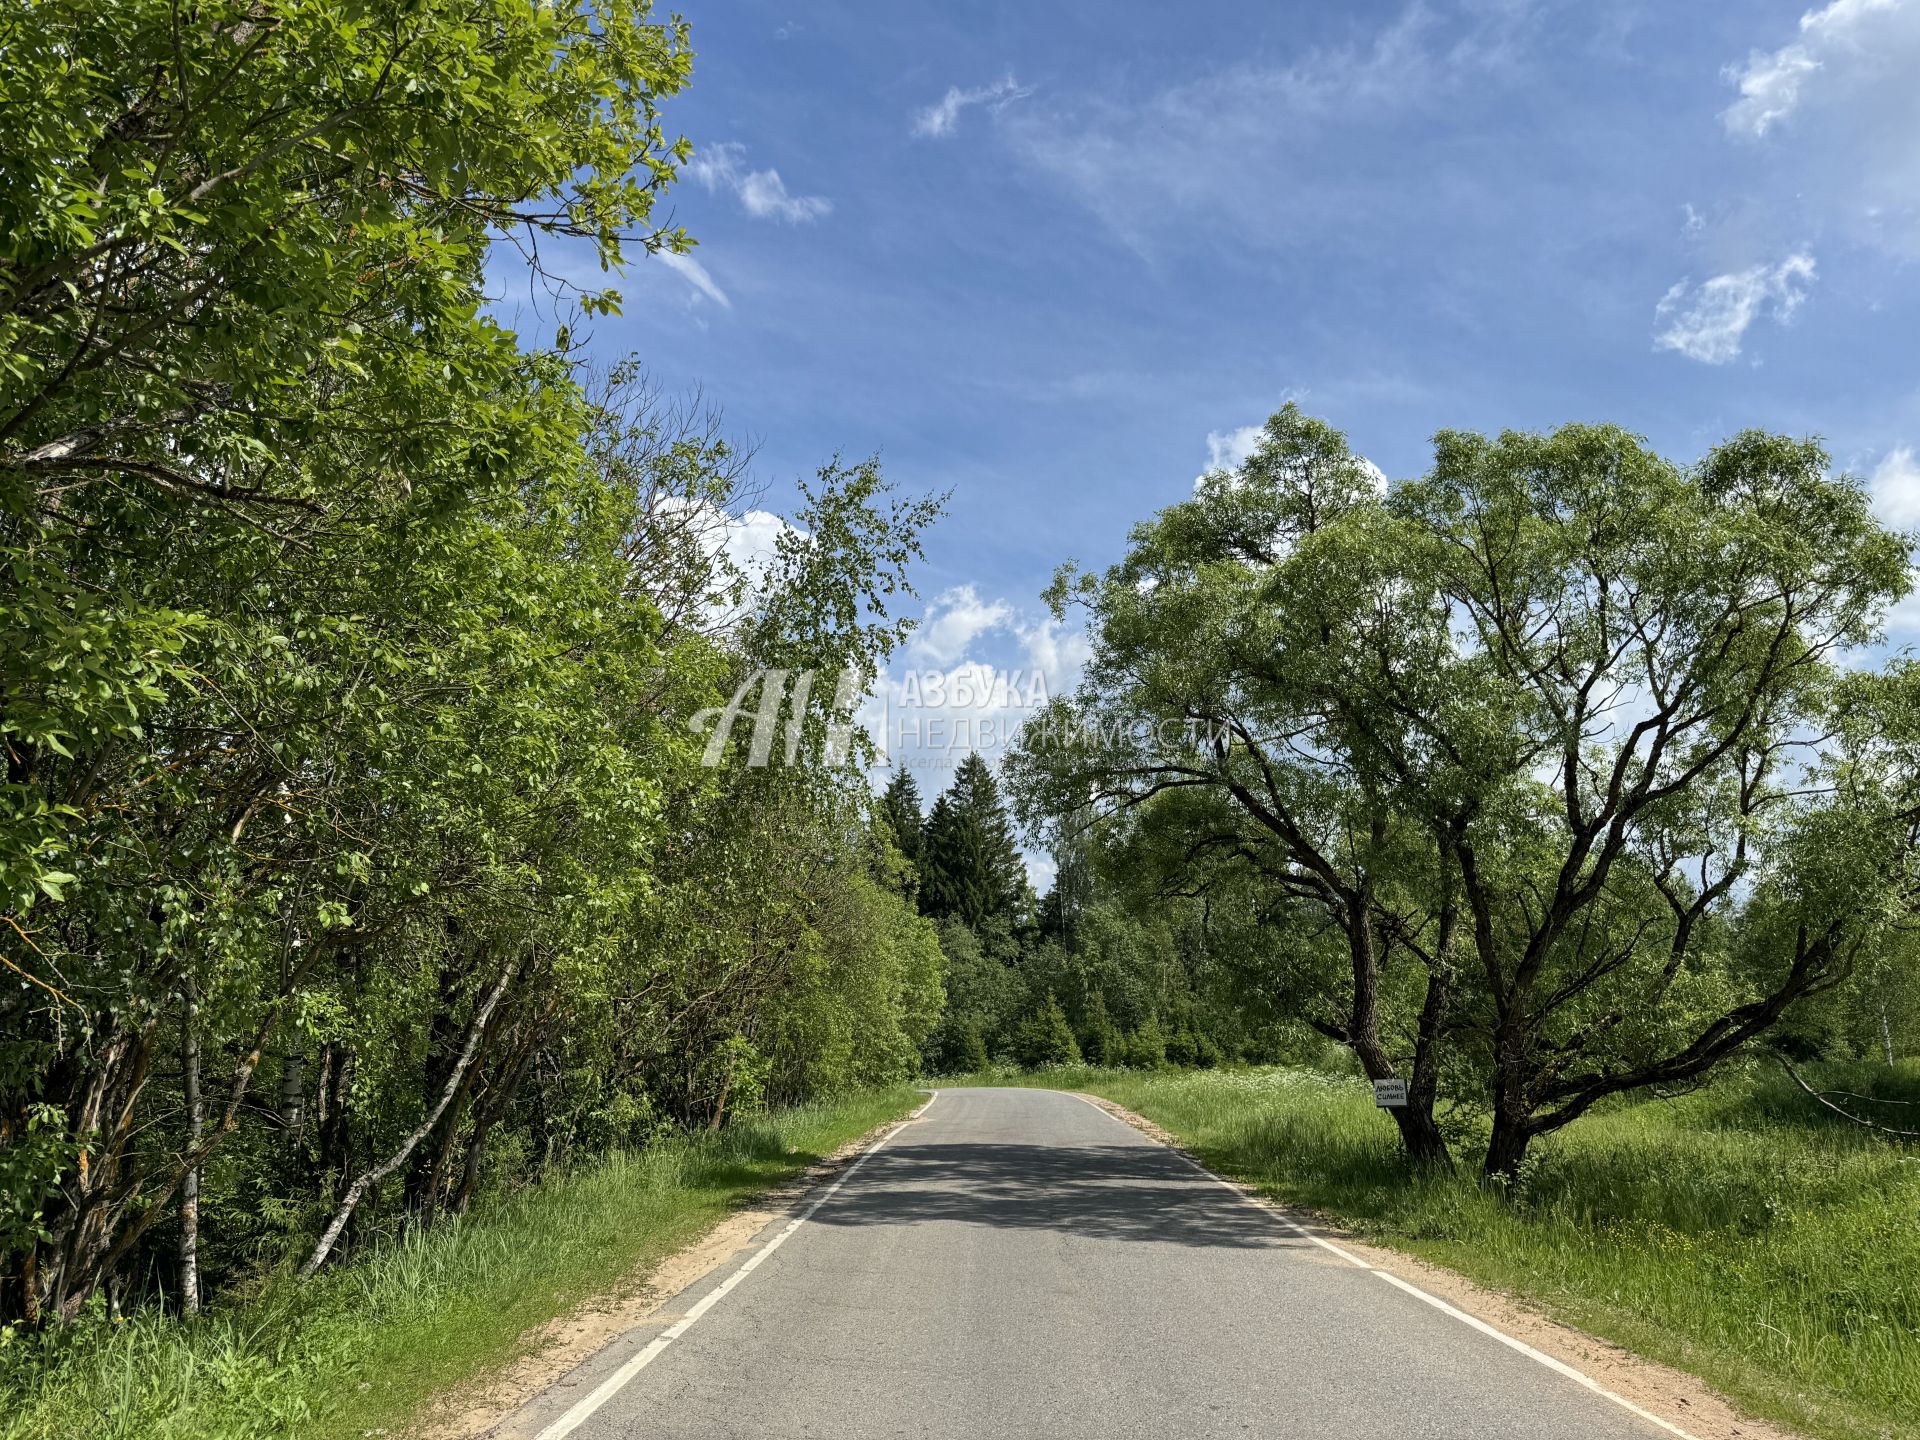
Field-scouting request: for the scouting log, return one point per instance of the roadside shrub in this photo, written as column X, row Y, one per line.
column 970, row 1049
column 1101, row 1043
column 1045, row 1038
column 1146, row 1047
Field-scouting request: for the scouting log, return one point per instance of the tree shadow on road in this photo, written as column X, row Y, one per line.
column 1113, row 1192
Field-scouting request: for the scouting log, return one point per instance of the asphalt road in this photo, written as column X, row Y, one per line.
column 1019, row 1263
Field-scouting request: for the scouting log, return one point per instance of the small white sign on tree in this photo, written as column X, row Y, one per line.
column 1388, row 1094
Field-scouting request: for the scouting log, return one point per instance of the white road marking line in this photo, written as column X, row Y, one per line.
column 1294, row 1225
column 1578, row 1376
column 1558, row 1366
column 614, row 1383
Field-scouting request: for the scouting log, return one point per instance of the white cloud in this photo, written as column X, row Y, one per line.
column 1042, row 870
column 1769, row 89
column 695, row 274
column 1773, row 84
column 762, row 193
column 1229, row 449
column 1895, row 486
column 764, row 196
column 940, row 118
column 1838, row 110
column 954, row 621
column 1055, row 652
column 930, row 716
column 706, row 564
column 752, row 543
column 1708, row 322
column 976, row 671
column 1280, row 149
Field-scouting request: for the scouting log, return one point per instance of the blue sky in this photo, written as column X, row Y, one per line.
column 1053, row 256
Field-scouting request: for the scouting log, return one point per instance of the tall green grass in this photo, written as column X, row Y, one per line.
column 1739, row 1233
column 361, row 1348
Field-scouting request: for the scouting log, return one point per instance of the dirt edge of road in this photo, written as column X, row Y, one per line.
column 552, row 1350
column 1675, row 1396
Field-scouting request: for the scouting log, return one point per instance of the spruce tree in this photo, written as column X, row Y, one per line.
column 971, row 1052
column 900, row 808
column 1045, row 1038
column 1146, row 1047
column 1103, row 1044
column 971, row 868
column 944, row 892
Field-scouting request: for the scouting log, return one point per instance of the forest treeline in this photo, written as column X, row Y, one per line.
column 1094, row 971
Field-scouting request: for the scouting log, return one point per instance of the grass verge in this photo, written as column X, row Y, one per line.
column 1738, row 1233
column 359, row 1350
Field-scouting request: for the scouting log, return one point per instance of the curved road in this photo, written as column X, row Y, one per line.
column 1020, row 1263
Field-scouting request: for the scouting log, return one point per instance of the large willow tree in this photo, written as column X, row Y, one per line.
column 1547, row 746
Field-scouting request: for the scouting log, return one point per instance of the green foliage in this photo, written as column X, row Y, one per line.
column 32, row 1159
column 297, row 205
column 900, row 808
column 1536, row 780
column 983, row 996
column 1101, row 1042
column 958, row 1048
column 357, row 1351
column 1188, row 1048
column 353, row 646
column 1044, row 1038
column 1145, row 1047
column 1111, row 965
column 971, row 868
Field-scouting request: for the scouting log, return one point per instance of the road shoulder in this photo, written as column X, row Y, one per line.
column 1680, row 1400
column 644, row 1298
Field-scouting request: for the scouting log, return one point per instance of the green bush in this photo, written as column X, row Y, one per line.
column 1146, row 1047
column 1103, row 1045
column 958, row 1048
column 1179, row 1048
column 1045, row 1038
column 1100, row 1042
column 973, row 1048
